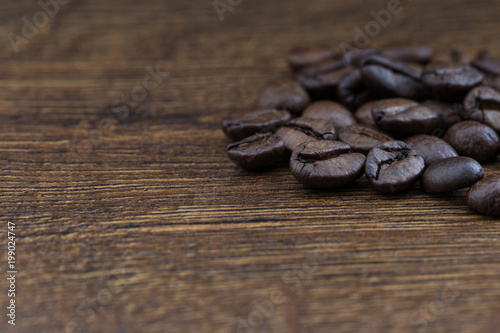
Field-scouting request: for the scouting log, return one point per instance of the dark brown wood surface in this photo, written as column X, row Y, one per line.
column 139, row 223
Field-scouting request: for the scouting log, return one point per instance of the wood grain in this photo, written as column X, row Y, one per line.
column 142, row 224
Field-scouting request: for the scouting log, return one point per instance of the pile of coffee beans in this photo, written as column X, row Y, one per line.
column 398, row 115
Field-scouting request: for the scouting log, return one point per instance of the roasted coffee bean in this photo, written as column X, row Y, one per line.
column 351, row 91
column 364, row 114
column 239, row 125
column 302, row 129
column 483, row 104
column 363, row 138
column 355, row 56
column 399, row 116
column 491, row 81
column 490, row 69
column 487, row 66
column 393, row 167
column 257, row 151
column 321, row 80
column 309, row 54
column 449, row 114
column 326, row 164
column 416, row 54
column 284, row 94
column 431, row 148
column 473, row 139
column 334, row 113
column 447, row 55
column 450, row 81
column 484, row 196
column 389, row 78
column 451, row 174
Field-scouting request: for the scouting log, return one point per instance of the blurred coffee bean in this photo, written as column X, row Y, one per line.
column 450, row 81
column 355, row 56
column 431, row 148
column 393, row 167
column 334, row 113
column 487, row 66
column 363, row 138
column 490, row 69
column 257, row 151
column 309, row 54
column 449, row 114
column 326, row 164
column 284, row 94
column 239, row 125
column 364, row 114
column 404, row 117
column 483, row 104
column 447, row 55
column 351, row 91
column 302, row 129
column 417, row 54
column 389, row 78
column 484, row 196
column 321, row 80
column 473, row 139
column 451, row 174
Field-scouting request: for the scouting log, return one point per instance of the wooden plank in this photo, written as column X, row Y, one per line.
column 142, row 224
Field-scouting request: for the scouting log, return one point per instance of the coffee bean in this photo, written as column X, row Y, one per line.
column 417, row 54
column 487, row 66
column 326, row 164
column 492, row 82
column 302, row 129
column 351, row 91
column 449, row 81
column 473, row 139
column 363, row 138
column 484, row 196
column 389, row 78
column 400, row 116
column 321, row 80
column 451, row 174
column 355, row 56
column 257, row 151
column 490, row 68
column 483, row 54
column 393, row 167
column 284, row 94
column 364, row 114
column 239, row 125
column 431, row 148
column 309, row 54
column 447, row 55
column 334, row 113
column 449, row 114
column 483, row 104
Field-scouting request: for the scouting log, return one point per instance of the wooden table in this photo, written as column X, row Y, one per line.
column 132, row 219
